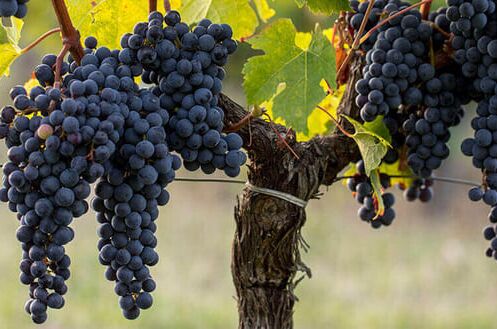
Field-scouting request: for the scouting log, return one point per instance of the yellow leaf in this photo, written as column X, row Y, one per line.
column 303, row 40
column 9, row 53
column 265, row 12
column 237, row 13
column 107, row 20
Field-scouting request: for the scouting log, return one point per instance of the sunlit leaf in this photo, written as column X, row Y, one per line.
column 107, row 20
column 296, row 64
column 372, row 146
column 9, row 45
column 325, row 7
column 237, row 13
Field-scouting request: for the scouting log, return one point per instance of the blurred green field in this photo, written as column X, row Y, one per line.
column 426, row 271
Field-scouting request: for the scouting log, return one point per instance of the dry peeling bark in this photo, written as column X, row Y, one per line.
column 266, row 247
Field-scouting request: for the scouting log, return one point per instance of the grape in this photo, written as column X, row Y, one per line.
column 15, row 8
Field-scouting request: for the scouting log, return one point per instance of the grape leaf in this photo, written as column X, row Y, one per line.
column 326, row 7
column 378, row 127
column 9, row 45
column 372, row 146
column 237, row 13
column 107, row 20
column 289, row 74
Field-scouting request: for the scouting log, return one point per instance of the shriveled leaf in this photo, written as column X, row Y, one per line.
column 237, row 13
column 325, row 7
column 377, row 191
column 372, row 146
column 9, row 45
column 296, row 63
column 264, row 10
column 107, row 20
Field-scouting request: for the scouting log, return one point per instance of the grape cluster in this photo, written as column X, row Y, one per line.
column 186, row 67
column 127, row 201
column 16, row 8
column 474, row 25
column 361, row 187
column 483, row 150
column 97, row 124
column 395, row 66
column 427, row 129
column 417, row 102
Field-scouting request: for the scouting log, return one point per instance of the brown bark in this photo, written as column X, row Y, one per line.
column 266, row 247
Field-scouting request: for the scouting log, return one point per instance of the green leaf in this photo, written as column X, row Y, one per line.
column 290, row 71
column 372, row 146
column 107, row 20
column 237, row 13
column 326, row 7
column 377, row 191
column 9, row 45
column 379, row 128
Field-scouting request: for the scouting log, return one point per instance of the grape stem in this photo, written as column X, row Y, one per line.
column 440, row 30
column 425, row 9
column 167, row 6
column 70, row 36
column 240, row 124
column 386, row 20
column 357, row 39
column 255, row 113
column 152, row 5
column 40, row 39
column 58, row 64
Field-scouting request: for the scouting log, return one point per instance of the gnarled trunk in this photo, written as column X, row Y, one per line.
column 266, row 247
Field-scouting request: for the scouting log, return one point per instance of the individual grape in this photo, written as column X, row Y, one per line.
column 17, row 8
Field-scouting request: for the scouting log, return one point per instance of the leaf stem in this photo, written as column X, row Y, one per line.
column 40, row 39
column 339, row 126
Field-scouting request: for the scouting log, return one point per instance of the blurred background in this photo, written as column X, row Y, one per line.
column 427, row 270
